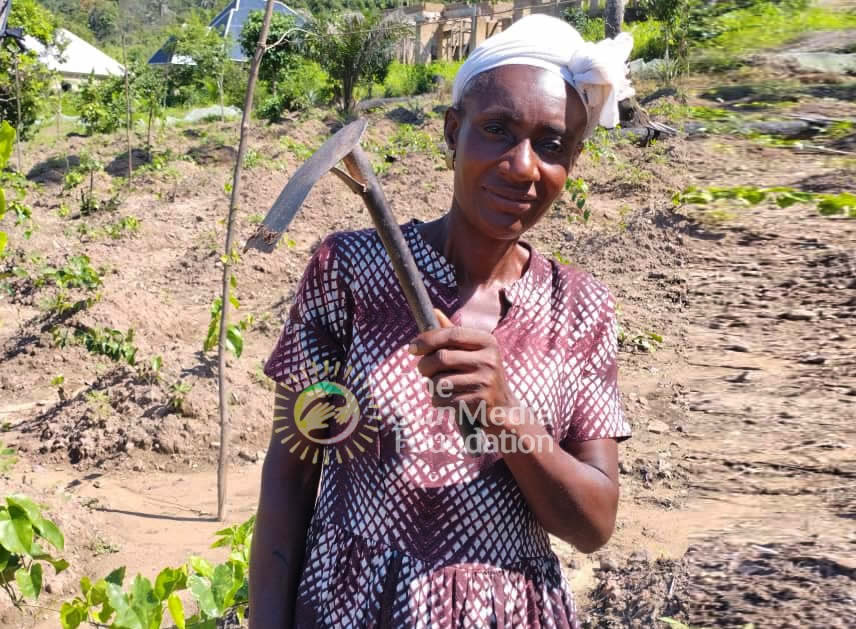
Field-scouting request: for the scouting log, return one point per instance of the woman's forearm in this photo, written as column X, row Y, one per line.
column 286, row 503
column 574, row 497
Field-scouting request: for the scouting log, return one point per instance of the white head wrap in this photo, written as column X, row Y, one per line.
column 597, row 71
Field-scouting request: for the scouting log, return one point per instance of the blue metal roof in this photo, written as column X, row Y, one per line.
column 231, row 21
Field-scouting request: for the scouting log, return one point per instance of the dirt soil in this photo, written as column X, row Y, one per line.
column 739, row 484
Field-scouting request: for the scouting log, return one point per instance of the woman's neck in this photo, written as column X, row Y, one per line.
column 478, row 260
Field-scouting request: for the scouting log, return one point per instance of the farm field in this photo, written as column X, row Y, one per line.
column 738, row 358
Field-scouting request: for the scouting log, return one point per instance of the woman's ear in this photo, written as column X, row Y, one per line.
column 578, row 149
column 452, row 126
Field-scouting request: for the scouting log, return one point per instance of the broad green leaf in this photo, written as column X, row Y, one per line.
column 170, row 580
column 5, row 556
column 30, row 583
column 204, row 595
column 117, row 576
column 202, row 567
column 234, row 340
column 16, row 531
column 227, row 580
column 176, row 610
column 126, row 616
column 58, row 564
column 145, row 603
column 72, row 615
column 50, row 532
column 2, row 204
column 234, row 301
column 7, row 139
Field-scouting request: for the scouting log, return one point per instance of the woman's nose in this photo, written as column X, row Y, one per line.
column 523, row 162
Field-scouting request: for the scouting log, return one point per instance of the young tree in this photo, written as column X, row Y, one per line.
column 354, row 49
column 198, row 53
column 21, row 73
column 228, row 259
column 283, row 43
column 150, row 92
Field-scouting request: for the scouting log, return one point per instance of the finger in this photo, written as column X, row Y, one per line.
column 451, row 360
column 445, row 322
column 455, row 337
column 452, row 389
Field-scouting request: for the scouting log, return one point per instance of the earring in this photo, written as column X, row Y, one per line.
column 450, row 159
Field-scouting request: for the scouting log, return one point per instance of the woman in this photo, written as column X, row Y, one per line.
column 409, row 529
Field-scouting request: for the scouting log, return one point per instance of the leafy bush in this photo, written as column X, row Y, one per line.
column 217, row 590
column 102, row 104
column 406, row 80
column 592, row 29
column 305, row 85
column 22, row 529
column 35, row 77
column 648, row 40
column 7, row 138
column 108, row 342
column 78, row 272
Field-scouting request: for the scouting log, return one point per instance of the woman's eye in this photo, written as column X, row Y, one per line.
column 553, row 146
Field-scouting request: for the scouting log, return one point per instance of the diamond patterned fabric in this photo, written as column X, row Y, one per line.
column 408, row 529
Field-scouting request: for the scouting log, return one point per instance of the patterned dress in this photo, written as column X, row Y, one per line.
column 409, row 530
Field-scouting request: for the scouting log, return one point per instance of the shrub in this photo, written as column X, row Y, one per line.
column 406, row 79
column 305, row 85
column 102, row 105
column 592, row 29
column 649, row 40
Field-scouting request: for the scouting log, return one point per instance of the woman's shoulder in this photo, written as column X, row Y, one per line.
column 582, row 300
column 571, row 283
column 350, row 243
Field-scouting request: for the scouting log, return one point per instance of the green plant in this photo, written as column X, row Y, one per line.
column 114, row 344
column 578, row 189
column 7, row 138
column 7, row 462
column 642, row 341
column 34, row 78
column 252, row 158
column 72, row 179
column 99, row 402
column 234, row 332
column 23, row 530
column 353, row 49
column 150, row 372
column 406, row 140
column 178, row 396
column 127, row 225
column 591, row 28
column 216, row 589
column 102, row 104
column 58, row 382
column 78, row 272
column 298, row 149
column 842, row 204
column 64, row 211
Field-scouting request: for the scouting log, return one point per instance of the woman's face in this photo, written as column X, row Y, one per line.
column 516, row 135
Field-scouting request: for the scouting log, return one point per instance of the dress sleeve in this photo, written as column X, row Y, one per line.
column 596, row 411
column 318, row 327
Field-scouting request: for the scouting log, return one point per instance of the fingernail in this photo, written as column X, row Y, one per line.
column 412, row 348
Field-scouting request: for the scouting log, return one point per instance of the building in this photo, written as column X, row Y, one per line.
column 449, row 31
column 74, row 58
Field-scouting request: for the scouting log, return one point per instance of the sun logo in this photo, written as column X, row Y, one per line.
column 331, row 417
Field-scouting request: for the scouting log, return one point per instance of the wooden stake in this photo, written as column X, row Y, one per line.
column 127, row 98
column 222, row 461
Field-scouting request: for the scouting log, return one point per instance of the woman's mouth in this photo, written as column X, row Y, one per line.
column 511, row 202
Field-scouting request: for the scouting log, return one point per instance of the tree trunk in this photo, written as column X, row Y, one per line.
column 613, row 16
column 227, row 264
column 128, row 121
column 19, row 125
